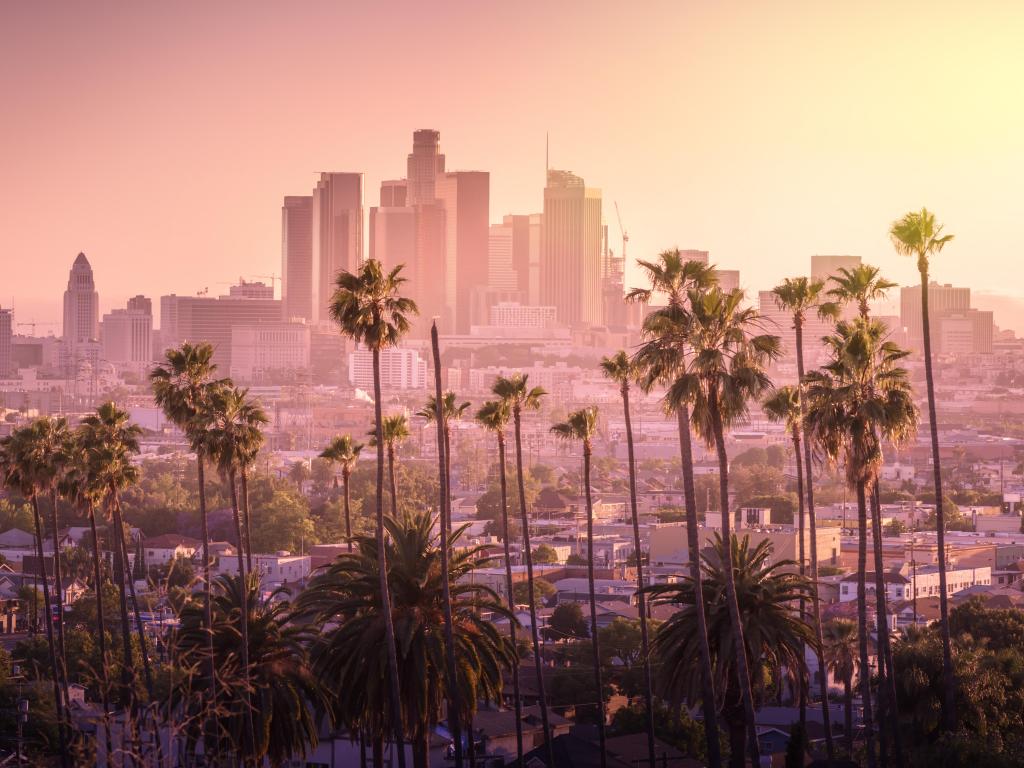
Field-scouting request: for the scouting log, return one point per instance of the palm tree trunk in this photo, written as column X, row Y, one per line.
column 709, row 706
column 444, row 508
column 517, row 699
column 640, row 596
column 128, row 673
column 101, row 628
column 801, row 678
column 382, row 562
column 948, row 680
column 211, row 743
column 58, row 586
column 862, row 623
column 345, row 473
column 595, row 644
column 392, row 482
column 742, row 667
column 378, row 752
column 243, row 475
column 528, row 554
column 59, row 696
column 249, row 749
column 848, row 713
column 812, row 524
column 887, row 683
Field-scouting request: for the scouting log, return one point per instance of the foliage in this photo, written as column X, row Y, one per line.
column 542, row 588
column 544, row 555
column 567, row 623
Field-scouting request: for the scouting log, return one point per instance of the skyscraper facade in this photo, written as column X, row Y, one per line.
column 127, row 335
column 571, row 267
column 6, row 333
column 465, row 199
column 337, row 231
column 823, row 267
column 297, row 273
column 81, row 309
column 942, row 300
column 514, row 255
column 423, row 165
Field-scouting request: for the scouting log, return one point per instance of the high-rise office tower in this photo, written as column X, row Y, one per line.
column 465, row 198
column 943, row 300
column 693, row 254
column 297, row 268
column 6, row 333
column 514, row 255
column 337, row 231
column 127, row 335
column 393, row 193
column 571, row 262
column 81, row 306
column 423, row 166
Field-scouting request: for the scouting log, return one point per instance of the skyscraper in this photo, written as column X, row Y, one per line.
column 823, row 267
column 423, row 166
column 465, row 198
column 6, row 332
column 81, row 307
column 514, row 255
column 571, row 266
column 297, row 273
column 337, row 231
column 943, row 300
column 127, row 335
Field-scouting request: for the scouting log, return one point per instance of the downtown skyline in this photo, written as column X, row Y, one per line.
column 673, row 125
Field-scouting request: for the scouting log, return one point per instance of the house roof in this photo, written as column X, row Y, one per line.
column 171, row 541
column 569, row 752
column 15, row 537
column 494, row 723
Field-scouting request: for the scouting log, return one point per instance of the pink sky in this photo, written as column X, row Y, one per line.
column 160, row 137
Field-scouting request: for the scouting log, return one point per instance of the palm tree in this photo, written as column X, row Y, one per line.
column 288, row 697
column 841, row 659
column 515, row 394
column 917, row 234
column 84, row 488
column 19, row 466
column 799, row 296
column 232, row 441
column 620, row 369
column 182, row 388
column 582, row 426
column 726, row 373
column 345, row 604
column 859, row 398
column 861, row 286
column 344, row 451
column 660, row 360
column 369, row 309
column 494, row 416
column 442, row 409
column 773, row 635
column 395, row 431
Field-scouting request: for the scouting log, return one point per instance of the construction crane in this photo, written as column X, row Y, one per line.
column 273, row 280
column 625, row 234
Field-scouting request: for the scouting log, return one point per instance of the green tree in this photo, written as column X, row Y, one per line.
column 665, row 358
column 349, row 653
column 567, row 623
column 544, row 555
column 369, row 309
column 543, row 588
column 917, row 234
column 344, row 452
column 840, row 650
column 581, row 426
column 773, row 634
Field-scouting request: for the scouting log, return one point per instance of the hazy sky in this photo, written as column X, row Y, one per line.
column 160, row 137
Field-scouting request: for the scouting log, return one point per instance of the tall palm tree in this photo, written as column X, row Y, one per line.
column 441, row 408
column 344, row 451
column 582, row 426
column 369, row 309
column 233, row 441
column 773, row 635
column 395, row 431
column 860, row 286
column 494, row 416
column 917, row 234
column 841, row 659
column 800, row 296
column 859, row 398
column 18, row 469
column 182, row 388
column 82, row 485
column 288, row 697
column 622, row 370
column 515, row 394
column 727, row 372
column 660, row 360
column 344, row 603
